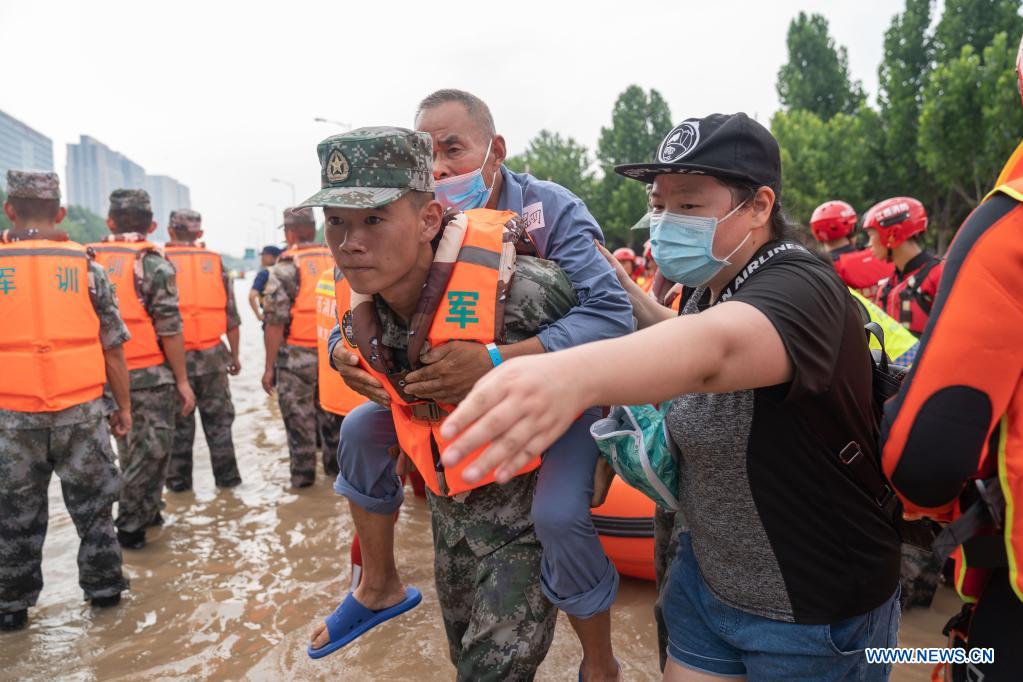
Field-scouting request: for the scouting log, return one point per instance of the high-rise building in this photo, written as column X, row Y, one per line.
column 166, row 194
column 94, row 171
column 22, row 148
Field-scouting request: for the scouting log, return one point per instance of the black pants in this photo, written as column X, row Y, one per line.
column 998, row 623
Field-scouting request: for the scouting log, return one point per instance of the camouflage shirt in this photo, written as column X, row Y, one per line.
column 159, row 291
column 112, row 332
column 215, row 360
column 278, row 298
column 490, row 517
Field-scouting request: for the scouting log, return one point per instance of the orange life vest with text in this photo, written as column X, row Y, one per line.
column 465, row 299
column 311, row 261
column 49, row 341
column 201, row 294
column 335, row 396
column 120, row 259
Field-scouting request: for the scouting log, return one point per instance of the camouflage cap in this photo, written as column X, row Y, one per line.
column 371, row 167
column 130, row 200
column 298, row 216
column 185, row 219
column 33, row 185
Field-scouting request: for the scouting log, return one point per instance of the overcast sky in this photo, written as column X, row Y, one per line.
column 222, row 96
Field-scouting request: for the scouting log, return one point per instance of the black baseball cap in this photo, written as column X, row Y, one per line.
column 720, row 145
column 270, row 251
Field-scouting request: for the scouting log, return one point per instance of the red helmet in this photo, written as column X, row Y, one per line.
column 648, row 250
column 832, row 220
column 624, row 254
column 896, row 220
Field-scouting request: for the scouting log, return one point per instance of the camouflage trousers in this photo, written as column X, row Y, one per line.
column 919, row 576
column 667, row 527
column 81, row 456
column 213, row 403
column 304, row 419
column 498, row 623
column 144, row 454
column 330, row 439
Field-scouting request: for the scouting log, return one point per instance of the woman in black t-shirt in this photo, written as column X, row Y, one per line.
column 788, row 568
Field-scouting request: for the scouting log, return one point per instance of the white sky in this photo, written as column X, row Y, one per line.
column 222, row 95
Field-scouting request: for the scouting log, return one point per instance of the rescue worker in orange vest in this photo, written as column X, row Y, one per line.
column 832, row 224
column 148, row 296
column 208, row 312
column 61, row 339
column 908, row 294
column 399, row 252
column 953, row 437
column 289, row 308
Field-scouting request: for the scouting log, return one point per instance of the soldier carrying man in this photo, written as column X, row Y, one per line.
column 61, row 340
column 208, row 312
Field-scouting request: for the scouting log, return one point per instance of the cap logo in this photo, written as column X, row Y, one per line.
column 337, row 167
column 679, row 142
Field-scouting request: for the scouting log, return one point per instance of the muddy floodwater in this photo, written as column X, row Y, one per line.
column 231, row 585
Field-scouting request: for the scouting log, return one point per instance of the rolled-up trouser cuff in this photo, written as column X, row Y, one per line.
column 585, row 604
column 374, row 505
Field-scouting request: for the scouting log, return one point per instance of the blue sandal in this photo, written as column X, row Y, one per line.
column 351, row 620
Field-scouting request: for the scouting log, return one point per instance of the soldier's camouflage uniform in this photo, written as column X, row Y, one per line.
column 486, row 554
column 207, row 374
column 74, row 443
column 297, row 383
column 145, row 451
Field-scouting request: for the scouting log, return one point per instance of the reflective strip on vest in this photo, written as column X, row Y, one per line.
column 467, row 312
column 118, row 258
column 310, row 263
column 201, row 295
column 49, row 341
column 335, row 396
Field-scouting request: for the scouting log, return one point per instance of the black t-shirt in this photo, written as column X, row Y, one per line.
column 778, row 528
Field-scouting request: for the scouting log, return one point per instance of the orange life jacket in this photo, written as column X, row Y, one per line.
column 120, row 260
column 49, row 340
column 311, row 261
column 201, row 294
column 467, row 309
column 335, row 396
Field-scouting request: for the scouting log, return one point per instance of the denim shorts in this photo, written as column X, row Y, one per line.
column 708, row 635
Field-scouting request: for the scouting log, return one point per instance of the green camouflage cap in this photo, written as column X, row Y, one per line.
column 371, row 167
column 185, row 219
column 130, row 200
column 298, row 216
column 33, row 185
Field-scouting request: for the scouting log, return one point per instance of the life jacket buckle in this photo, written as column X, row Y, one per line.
column 429, row 412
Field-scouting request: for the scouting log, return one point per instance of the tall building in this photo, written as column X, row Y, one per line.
column 94, row 171
column 22, row 148
column 166, row 194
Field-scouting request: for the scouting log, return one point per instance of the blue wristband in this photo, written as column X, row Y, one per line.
column 495, row 355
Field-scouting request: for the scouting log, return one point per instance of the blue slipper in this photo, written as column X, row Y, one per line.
column 351, row 620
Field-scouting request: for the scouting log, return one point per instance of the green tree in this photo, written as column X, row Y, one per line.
column 5, row 224
column 816, row 76
column 550, row 156
column 81, row 225
column 902, row 75
column 976, row 23
column 639, row 121
column 970, row 121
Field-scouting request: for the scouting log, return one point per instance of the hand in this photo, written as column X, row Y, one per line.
column 450, row 373
column 187, row 397
column 672, row 294
column 235, row 366
column 623, row 276
column 358, row 379
column 520, row 408
column 120, row 422
column 259, row 315
column 268, row 381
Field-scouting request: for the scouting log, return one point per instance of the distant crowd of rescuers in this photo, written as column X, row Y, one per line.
column 384, row 347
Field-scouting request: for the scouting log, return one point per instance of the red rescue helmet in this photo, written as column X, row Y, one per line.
column 624, row 254
column 896, row 220
column 832, row 220
column 648, row 250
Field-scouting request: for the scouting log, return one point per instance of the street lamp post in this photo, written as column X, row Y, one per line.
column 273, row 216
column 289, row 184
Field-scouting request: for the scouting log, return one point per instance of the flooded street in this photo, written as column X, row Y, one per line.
column 231, row 585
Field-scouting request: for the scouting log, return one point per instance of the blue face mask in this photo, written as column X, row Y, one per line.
column 682, row 246
column 466, row 191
